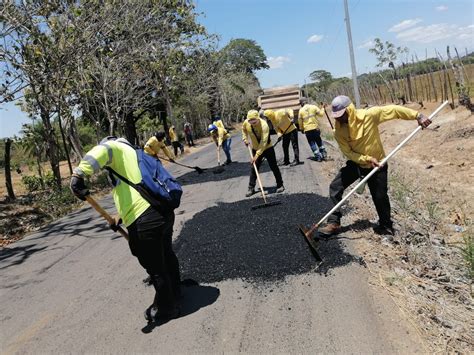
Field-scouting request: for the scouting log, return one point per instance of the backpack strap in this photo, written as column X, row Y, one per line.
column 140, row 189
column 255, row 134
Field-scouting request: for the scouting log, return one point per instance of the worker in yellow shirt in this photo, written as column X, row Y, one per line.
column 283, row 124
column 356, row 132
column 222, row 139
column 150, row 230
column 156, row 143
column 175, row 141
column 308, row 123
column 255, row 131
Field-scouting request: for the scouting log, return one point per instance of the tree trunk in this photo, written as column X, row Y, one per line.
column 130, row 129
column 66, row 150
column 74, row 137
column 52, row 147
column 8, row 175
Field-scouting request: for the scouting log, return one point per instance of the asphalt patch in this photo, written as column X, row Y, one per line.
column 233, row 170
column 232, row 241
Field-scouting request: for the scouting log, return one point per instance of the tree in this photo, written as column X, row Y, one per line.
column 322, row 79
column 243, row 55
column 386, row 53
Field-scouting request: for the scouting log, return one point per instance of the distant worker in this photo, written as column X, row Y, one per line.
column 356, row 132
column 283, row 124
column 150, row 230
column 188, row 134
column 308, row 123
column 222, row 139
column 216, row 120
column 175, row 141
column 258, row 131
column 157, row 143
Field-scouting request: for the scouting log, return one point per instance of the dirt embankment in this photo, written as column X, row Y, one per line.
column 431, row 191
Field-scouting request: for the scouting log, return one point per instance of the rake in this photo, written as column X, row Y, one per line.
column 308, row 233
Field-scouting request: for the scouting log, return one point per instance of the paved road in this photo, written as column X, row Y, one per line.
column 73, row 287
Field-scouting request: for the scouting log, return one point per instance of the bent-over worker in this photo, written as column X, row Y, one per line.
column 356, row 132
column 222, row 139
column 258, row 131
column 283, row 123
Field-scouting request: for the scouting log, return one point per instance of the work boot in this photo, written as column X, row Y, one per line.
column 250, row 192
column 285, row 163
column 152, row 314
column 324, row 153
column 280, row 189
column 318, row 156
column 227, row 162
column 384, row 230
column 295, row 163
column 329, row 229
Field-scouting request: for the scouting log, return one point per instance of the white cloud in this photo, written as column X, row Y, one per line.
column 405, row 24
column 277, row 62
column 435, row 32
column 441, row 8
column 315, row 38
column 367, row 44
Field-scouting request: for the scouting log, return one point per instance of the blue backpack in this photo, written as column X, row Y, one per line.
column 157, row 187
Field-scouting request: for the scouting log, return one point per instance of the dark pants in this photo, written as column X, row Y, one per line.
column 151, row 242
column 269, row 154
column 314, row 140
column 293, row 137
column 189, row 139
column 177, row 145
column 377, row 185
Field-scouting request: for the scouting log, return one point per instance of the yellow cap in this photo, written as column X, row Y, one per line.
column 252, row 114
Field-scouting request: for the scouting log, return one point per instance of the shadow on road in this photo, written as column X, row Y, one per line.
column 236, row 169
column 194, row 298
column 231, row 241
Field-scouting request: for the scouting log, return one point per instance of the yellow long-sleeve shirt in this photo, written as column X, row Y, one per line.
column 172, row 133
column 261, row 139
column 281, row 120
column 308, row 117
column 359, row 139
column 123, row 159
column 220, row 136
column 153, row 147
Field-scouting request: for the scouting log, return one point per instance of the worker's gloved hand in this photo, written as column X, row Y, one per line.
column 78, row 187
column 423, row 121
column 246, row 143
column 117, row 221
column 374, row 162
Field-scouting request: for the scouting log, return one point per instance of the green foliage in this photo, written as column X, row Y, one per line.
column 386, row 53
column 243, row 55
column 35, row 183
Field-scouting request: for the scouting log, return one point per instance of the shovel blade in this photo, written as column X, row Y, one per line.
column 268, row 204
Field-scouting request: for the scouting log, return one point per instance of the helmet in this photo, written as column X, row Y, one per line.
column 252, row 114
column 211, row 128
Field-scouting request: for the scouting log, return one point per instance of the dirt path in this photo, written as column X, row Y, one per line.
column 74, row 287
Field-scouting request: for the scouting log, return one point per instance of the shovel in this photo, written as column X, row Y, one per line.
column 197, row 168
column 107, row 217
column 265, row 204
column 308, row 233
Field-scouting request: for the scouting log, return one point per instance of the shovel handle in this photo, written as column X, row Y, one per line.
column 107, row 217
column 218, row 156
column 258, row 175
column 332, row 127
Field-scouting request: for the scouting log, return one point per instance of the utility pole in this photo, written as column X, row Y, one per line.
column 351, row 52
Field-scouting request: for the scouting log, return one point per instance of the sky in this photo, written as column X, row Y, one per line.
column 300, row 36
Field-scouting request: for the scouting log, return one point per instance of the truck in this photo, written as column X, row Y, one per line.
column 280, row 97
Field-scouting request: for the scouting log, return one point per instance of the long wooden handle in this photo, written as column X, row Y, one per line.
column 332, row 127
column 107, row 217
column 258, row 175
column 218, row 156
